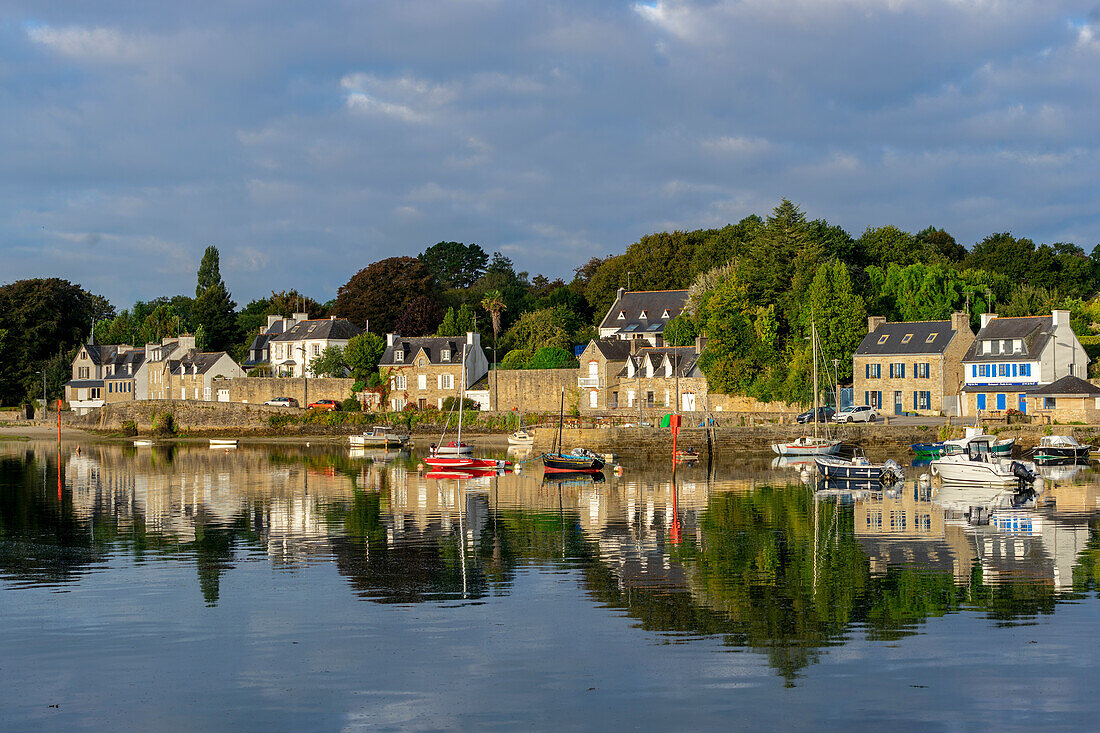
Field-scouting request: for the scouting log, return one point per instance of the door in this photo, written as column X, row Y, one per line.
column 689, row 402
column 593, row 399
column 1023, row 404
column 898, row 406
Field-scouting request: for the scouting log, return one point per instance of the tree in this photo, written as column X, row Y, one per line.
column 381, row 292
column 419, row 318
column 363, row 353
column 330, row 363
column 455, row 265
column 214, row 312
column 494, row 303
column 209, row 271
column 680, row 331
column 942, row 243
column 840, row 315
column 516, row 359
column 1004, row 254
column 551, row 357
column 536, row 329
column 456, row 323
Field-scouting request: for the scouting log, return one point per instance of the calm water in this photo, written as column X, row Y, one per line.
column 308, row 589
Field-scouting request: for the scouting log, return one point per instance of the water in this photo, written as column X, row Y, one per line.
column 297, row 588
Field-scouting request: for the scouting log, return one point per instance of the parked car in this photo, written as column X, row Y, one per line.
column 861, row 413
column 824, row 414
column 324, row 405
column 282, row 402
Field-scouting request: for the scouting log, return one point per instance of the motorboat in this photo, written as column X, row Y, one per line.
column 807, row 445
column 956, row 446
column 686, row 456
column 140, row 443
column 223, row 442
column 1059, row 449
column 978, row 501
column 379, row 437
column 521, row 438
column 859, row 468
column 979, row 465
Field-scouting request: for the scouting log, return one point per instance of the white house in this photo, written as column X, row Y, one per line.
column 295, row 349
column 642, row 314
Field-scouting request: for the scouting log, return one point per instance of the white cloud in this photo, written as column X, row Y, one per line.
column 92, row 44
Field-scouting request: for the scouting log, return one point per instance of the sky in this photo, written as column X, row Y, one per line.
column 307, row 140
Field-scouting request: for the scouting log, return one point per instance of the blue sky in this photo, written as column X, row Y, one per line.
column 306, row 140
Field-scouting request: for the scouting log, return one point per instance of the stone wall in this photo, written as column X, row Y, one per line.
column 534, row 390
column 257, row 390
column 187, row 415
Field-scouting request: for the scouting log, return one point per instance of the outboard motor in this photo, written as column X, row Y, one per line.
column 891, row 474
column 1022, row 474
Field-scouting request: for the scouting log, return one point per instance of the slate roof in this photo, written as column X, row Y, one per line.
column 613, row 349
column 684, row 360
column 320, row 329
column 653, row 302
column 890, row 338
column 75, row 383
column 433, row 346
column 1067, row 385
column 1034, row 331
column 204, row 360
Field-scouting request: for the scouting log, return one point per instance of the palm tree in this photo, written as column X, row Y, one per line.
column 494, row 303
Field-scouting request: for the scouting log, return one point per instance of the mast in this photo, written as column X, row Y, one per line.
column 813, row 338
column 462, row 397
column 561, row 419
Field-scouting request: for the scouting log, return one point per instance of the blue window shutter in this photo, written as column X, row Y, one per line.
column 981, row 402
column 1014, row 370
column 914, row 400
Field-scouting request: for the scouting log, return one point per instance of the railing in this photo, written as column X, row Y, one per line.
column 585, row 382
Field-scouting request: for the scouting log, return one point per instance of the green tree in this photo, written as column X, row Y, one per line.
column 420, row 317
column 330, row 363
column 536, row 329
column 381, row 292
column 840, row 315
column 455, row 265
column 516, row 359
column 941, row 243
column 209, row 271
column 215, row 313
column 363, row 353
column 680, row 331
column 551, row 357
column 1002, row 253
column 457, row 323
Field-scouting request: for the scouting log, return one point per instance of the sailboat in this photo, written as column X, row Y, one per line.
column 580, row 460
column 450, row 457
column 809, row 445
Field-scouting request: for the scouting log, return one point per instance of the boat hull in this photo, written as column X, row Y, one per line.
column 807, row 449
column 465, row 463
column 838, row 470
column 1060, row 454
column 976, row 472
column 562, row 463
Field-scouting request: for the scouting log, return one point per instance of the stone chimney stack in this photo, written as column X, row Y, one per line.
column 700, row 344
column 986, row 318
column 1060, row 319
column 299, row 317
column 873, row 322
column 619, row 293
column 390, row 338
column 272, row 320
column 960, row 321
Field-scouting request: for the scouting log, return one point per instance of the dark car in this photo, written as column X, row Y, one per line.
column 324, row 405
column 824, row 414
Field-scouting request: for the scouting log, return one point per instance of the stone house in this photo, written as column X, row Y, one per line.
column 292, row 351
column 642, row 314
column 913, row 366
column 655, row 375
column 105, row 374
column 1069, row 399
column 195, row 375
column 600, row 364
column 1012, row 357
column 425, row 371
column 259, row 351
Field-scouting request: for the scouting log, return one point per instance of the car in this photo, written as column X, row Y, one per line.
column 824, row 414
column 282, row 402
column 324, row 405
column 861, row 413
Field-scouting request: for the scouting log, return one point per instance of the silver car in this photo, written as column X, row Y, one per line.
column 861, row 413
column 282, row 402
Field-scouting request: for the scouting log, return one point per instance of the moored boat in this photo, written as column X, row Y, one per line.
column 1059, row 449
column 379, row 437
column 956, row 446
column 521, row 438
column 686, row 456
column 859, row 468
column 453, row 449
column 580, row 460
column 979, row 465
column 223, row 442
column 807, row 446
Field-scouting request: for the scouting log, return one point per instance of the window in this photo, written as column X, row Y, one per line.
column 400, row 382
column 872, row 371
column 1002, row 370
column 666, row 314
column 317, row 349
column 445, row 355
column 930, row 339
column 1025, row 370
column 622, row 315
column 1017, row 346
column 987, row 347
column 1071, row 370
column 921, row 370
column 420, row 361
column 924, row 400
column 906, row 338
column 897, row 370
column 448, row 381
column 1049, row 403
column 93, row 393
column 644, row 315
column 421, row 381
column 399, row 356
column 883, row 337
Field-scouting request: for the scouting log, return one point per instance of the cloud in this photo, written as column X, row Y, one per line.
column 92, row 44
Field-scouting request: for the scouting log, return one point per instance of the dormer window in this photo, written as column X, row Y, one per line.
column 399, row 355
column 883, row 337
column 445, row 355
column 905, row 339
column 421, row 362
column 622, row 315
column 930, row 339
column 644, row 315
column 666, row 314
column 1017, row 346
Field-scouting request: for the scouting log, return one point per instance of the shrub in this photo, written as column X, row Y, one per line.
column 351, row 405
column 550, row 357
column 359, row 386
column 164, row 424
column 279, row 420
column 516, row 359
column 467, row 404
column 129, row 428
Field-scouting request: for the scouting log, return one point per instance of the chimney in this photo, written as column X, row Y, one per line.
column 472, row 338
column 986, row 318
column 700, row 344
column 873, row 322
column 1060, row 319
column 187, row 342
column 619, row 293
column 390, row 338
column 272, row 320
column 960, row 321
column 636, row 345
column 299, row 317
column 332, row 318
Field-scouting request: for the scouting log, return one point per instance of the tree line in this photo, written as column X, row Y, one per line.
column 754, row 288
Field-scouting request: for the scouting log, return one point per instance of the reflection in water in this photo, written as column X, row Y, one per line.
column 745, row 554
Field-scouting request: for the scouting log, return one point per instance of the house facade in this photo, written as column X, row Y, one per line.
column 1012, row 357
column 600, row 364
column 642, row 315
column 259, row 351
column 104, row 374
column 911, row 366
column 194, row 375
column 293, row 351
column 1069, row 399
column 655, row 375
column 425, row 371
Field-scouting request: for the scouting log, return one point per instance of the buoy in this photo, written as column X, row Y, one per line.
column 420, row 467
column 619, row 470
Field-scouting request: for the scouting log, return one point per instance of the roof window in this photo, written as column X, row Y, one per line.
column 666, row 314
column 399, row 355
column 931, row 338
column 445, row 355
column 905, row 339
column 883, row 337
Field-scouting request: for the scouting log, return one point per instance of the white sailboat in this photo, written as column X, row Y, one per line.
column 807, row 445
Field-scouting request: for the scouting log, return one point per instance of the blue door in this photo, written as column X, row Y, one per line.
column 981, row 402
column 1001, row 402
column 1023, row 404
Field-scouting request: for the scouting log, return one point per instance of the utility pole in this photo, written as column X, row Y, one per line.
column 836, row 376
column 305, row 383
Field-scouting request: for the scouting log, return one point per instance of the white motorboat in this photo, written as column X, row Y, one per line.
column 978, row 465
column 521, row 438
column 997, row 446
column 142, row 443
column 223, row 442
column 807, row 446
column 379, row 437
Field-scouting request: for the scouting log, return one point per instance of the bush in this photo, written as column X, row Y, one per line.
column 359, row 386
column 164, row 424
column 351, row 405
column 129, row 428
column 516, row 359
column 467, row 404
column 550, row 357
